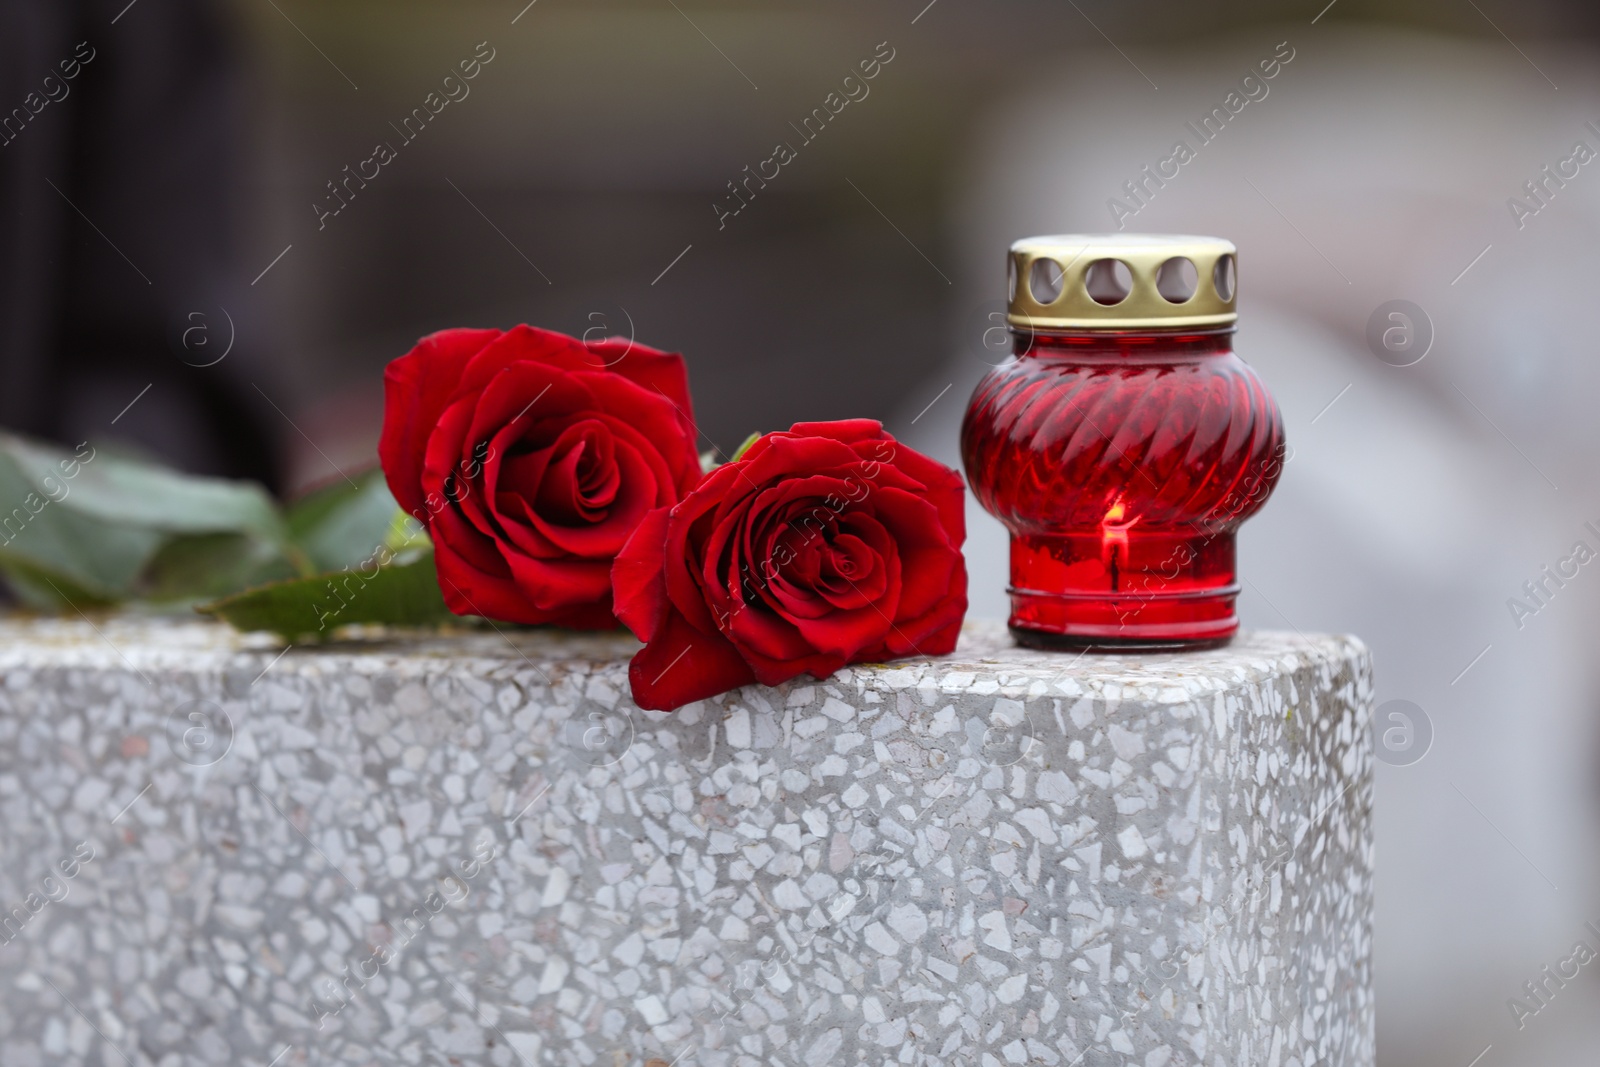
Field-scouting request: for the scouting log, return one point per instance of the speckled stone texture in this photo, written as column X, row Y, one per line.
column 472, row 849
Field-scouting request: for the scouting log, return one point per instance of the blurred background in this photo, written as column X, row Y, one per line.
column 187, row 267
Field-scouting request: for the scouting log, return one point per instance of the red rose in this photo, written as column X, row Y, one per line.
column 830, row 544
column 530, row 457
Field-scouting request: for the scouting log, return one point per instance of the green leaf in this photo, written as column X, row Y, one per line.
column 41, row 590
column 119, row 489
column 207, row 566
column 708, row 460
column 406, row 532
column 96, row 527
column 403, row 592
column 739, row 452
column 342, row 524
column 44, row 540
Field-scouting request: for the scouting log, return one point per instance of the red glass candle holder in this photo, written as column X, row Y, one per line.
column 1123, row 443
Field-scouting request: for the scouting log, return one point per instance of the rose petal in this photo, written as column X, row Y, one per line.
column 941, row 486
column 638, row 581
column 603, row 538
column 474, row 577
column 521, row 344
column 665, row 423
column 925, row 549
column 658, row 372
column 537, row 399
column 417, row 387
column 682, row 664
column 442, row 477
column 780, row 455
column 685, row 550
column 936, row 633
column 846, row 430
column 581, row 478
column 846, row 631
column 770, row 642
column 558, row 584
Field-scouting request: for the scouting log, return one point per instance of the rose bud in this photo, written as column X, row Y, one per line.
column 830, row 544
column 530, row 457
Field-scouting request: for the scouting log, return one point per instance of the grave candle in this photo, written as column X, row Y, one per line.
column 1123, row 443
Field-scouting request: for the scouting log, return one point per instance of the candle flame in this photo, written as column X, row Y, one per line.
column 1114, row 527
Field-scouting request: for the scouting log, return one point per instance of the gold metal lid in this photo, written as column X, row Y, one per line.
column 1073, row 281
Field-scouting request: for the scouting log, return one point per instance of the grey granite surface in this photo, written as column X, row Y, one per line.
column 472, row 848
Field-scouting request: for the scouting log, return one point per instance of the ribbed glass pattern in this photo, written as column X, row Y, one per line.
column 1122, row 464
